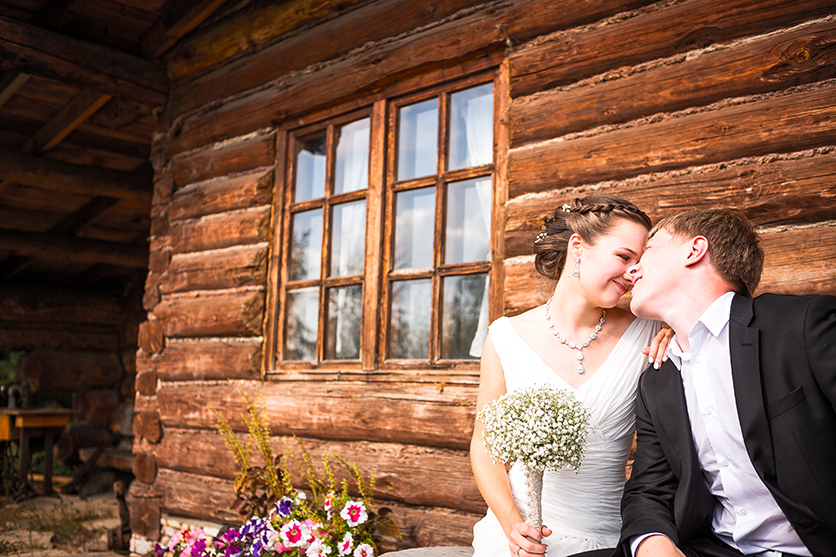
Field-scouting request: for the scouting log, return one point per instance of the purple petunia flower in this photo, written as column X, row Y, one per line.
column 284, row 506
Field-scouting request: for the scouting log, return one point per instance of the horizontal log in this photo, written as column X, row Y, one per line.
column 237, row 358
column 217, row 269
column 661, row 31
column 246, row 226
column 235, row 313
column 238, row 155
column 176, row 20
column 45, row 304
column 29, row 49
column 795, row 188
column 58, row 370
column 404, row 473
column 60, row 176
column 776, row 61
column 16, row 335
column 408, row 413
column 209, row 498
column 801, row 119
column 473, row 39
column 799, row 260
column 151, row 338
column 220, row 195
column 525, row 288
column 76, row 250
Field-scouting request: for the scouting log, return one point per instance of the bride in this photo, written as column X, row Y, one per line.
column 578, row 341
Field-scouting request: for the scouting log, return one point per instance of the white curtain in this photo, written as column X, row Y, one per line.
column 478, row 117
column 353, row 156
column 483, row 191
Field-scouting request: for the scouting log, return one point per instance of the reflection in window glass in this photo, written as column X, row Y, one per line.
column 352, row 170
column 300, row 332
column 414, row 225
column 409, row 326
column 471, row 127
column 310, row 169
column 348, row 238
column 418, row 140
column 342, row 340
column 468, row 231
column 306, row 245
column 464, row 316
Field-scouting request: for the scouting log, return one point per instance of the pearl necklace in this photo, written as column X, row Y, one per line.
column 572, row 345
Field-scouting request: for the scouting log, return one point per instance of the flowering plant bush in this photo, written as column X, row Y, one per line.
column 540, row 426
column 281, row 521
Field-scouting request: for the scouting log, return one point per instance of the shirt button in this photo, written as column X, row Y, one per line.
column 726, row 463
column 743, row 512
column 698, row 359
column 709, row 410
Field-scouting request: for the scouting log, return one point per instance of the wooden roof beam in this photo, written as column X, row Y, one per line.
column 85, row 250
column 71, row 116
column 84, row 180
column 29, row 49
column 177, row 18
column 9, row 85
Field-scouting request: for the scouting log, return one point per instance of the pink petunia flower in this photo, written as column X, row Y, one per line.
column 318, row 549
column 344, row 547
column 295, row 534
column 364, row 550
column 354, row 513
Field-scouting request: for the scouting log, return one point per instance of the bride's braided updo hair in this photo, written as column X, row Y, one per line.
column 589, row 217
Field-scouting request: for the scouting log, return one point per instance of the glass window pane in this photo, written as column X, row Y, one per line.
column 414, row 226
column 471, row 127
column 352, row 169
column 348, row 238
column 310, row 169
column 306, row 245
column 468, row 228
column 300, row 332
column 418, row 140
column 409, row 325
column 342, row 341
column 464, row 317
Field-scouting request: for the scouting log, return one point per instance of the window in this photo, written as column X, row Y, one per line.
column 386, row 228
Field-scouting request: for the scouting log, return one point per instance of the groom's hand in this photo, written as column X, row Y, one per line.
column 658, row 546
column 525, row 540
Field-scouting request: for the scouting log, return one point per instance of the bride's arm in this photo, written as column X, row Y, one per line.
column 491, row 478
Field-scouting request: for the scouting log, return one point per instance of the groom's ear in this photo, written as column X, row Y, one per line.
column 697, row 250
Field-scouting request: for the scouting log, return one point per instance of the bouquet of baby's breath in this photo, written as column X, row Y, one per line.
column 540, row 427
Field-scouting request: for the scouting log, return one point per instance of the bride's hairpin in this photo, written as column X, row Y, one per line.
column 566, row 208
column 540, row 237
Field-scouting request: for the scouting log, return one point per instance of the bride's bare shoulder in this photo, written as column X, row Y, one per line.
column 528, row 319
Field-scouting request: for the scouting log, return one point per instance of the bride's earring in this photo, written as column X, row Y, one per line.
column 577, row 271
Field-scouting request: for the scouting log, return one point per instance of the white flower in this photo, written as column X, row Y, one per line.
column 294, row 533
column 344, row 546
column 317, row 549
column 354, row 513
column 364, row 550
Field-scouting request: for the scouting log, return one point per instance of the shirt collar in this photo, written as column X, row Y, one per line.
column 714, row 318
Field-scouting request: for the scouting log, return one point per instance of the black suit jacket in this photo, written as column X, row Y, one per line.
column 783, row 356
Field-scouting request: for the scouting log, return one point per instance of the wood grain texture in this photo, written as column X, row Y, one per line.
column 662, row 30
column 229, row 313
column 217, row 269
column 798, row 119
column 409, row 413
column 219, row 195
column 794, row 188
column 206, row 359
column 405, row 473
column 799, row 260
column 243, row 227
column 238, row 155
column 753, row 65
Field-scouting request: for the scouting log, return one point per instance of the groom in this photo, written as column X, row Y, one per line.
column 736, row 450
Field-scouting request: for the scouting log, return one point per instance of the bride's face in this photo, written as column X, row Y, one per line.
column 606, row 263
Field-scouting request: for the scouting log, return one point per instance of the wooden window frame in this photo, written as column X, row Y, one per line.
column 383, row 185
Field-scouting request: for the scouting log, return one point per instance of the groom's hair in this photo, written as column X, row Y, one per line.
column 733, row 244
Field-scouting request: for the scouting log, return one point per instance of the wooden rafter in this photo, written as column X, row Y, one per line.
column 178, row 18
column 30, row 49
column 54, row 247
column 69, row 118
column 84, row 180
column 10, row 84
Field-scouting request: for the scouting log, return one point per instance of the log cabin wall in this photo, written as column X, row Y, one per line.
column 674, row 104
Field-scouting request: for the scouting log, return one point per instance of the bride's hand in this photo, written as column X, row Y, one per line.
column 657, row 352
column 525, row 540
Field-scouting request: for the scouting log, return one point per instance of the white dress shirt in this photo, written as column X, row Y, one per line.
column 746, row 515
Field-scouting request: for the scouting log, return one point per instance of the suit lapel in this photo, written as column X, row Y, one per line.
column 675, row 423
column 748, row 390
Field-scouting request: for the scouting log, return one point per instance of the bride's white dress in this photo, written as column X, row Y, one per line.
column 582, row 509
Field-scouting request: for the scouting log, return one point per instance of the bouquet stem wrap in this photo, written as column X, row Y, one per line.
column 534, row 494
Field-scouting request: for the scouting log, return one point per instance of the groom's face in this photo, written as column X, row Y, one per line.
column 652, row 277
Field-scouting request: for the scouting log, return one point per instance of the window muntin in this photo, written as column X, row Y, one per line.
column 420, row 170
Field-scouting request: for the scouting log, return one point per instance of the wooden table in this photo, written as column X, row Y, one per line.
column 22, row 424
